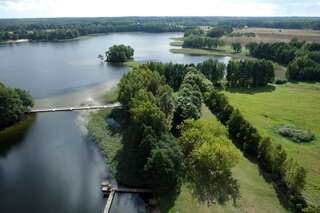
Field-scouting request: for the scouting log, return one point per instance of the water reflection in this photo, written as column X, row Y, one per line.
column 127, row 203
column 46, row 163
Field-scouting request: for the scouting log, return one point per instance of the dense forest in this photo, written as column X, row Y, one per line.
column 54, row 29
column 14, row 103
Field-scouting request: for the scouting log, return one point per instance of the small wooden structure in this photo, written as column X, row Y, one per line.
column 109, row 191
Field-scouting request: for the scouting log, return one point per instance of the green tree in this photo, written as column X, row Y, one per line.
column 209, row 156
column 237, row 48
column 14, row 103
column 119, row 54
column 164, row 166
column 294, row 176
column 212, row 69
column 265, row 155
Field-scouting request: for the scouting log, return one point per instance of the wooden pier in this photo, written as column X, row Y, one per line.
column 76, row 108
column 109, row 191
column 109, row 202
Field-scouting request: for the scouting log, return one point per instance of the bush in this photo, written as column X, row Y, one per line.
column 296, row 134
column 280, row 82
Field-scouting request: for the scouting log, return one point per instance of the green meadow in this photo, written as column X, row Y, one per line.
column 256, row 195
column 293, row 103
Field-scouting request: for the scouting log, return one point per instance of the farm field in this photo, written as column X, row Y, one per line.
column 273, row 35
column 256, row 194
column 293, row 103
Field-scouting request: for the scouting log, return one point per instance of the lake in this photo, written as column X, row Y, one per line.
column 47, row 164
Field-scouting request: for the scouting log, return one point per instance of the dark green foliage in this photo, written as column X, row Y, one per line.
column 164, row 166
column 212, row 69
column 304, row 69
column 265, row 154
column 218, row 105
column 296, row 134
column 173, row 73
column 280, row 52
column 189, row 99
column 219, row 31
column 14, row 103
column 148, row 105
column 303, row 59
column 237, row 48
column 119, row 54
column 193, row 31
column 200, row 42
column 251, row 47
column 313, row 47
column 250, row 73
column 280, row 82
column 243, row 134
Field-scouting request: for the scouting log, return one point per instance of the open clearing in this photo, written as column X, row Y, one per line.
column 297, row 104
column 273, row 35
column 256, row 194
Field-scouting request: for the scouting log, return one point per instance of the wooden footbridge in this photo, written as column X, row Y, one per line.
column 109, row 191
column 76, row 108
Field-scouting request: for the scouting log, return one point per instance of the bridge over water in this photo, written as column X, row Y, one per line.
column 76, row 108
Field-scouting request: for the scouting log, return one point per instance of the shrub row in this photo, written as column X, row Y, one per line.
column 287, row 175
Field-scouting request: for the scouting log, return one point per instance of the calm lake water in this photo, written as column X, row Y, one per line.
column 46, row 163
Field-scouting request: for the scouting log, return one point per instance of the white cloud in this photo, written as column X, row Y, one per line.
column 94, row 8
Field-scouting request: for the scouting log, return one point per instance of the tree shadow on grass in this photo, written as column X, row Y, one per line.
column 251, row 91
column 216, row 188
column 280, row 190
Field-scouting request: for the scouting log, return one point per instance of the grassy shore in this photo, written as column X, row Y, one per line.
column 100, row 132
column 294, row 103
column 256, row 194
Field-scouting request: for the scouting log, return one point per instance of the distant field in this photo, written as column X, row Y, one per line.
column 274, row 35
column 256, row 194
column 297, row 104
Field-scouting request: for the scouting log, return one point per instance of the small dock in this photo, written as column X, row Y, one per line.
column 76, row 108
column 109, row 191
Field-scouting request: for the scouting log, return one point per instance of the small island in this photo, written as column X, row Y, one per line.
column 118, row 54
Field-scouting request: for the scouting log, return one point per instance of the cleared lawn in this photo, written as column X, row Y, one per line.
column 274, row 35
column 256, row 194
column 297, row 104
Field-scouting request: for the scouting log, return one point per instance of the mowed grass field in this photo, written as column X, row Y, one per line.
column 274, row 35
column 297, row 104
column 256, row 194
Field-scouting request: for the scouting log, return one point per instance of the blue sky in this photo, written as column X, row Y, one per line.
column 94, row 8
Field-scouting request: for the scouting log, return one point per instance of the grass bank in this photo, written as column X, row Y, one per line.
column 100, row 132
column 293, row 103
column 256, row 194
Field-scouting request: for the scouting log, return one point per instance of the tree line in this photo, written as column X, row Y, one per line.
column 302, row 58
column 250, row 73
column 200, row 42
column 14, row 103
column 288, row 176
column 41, row 29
